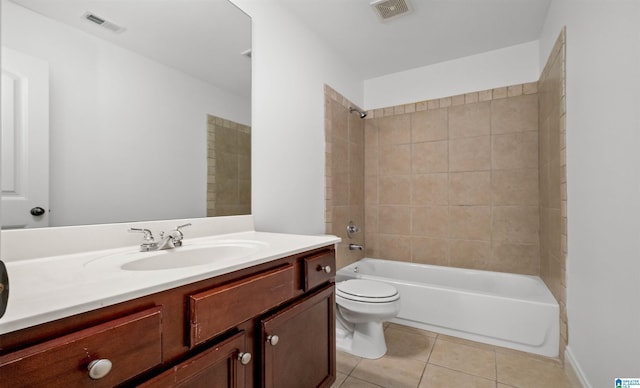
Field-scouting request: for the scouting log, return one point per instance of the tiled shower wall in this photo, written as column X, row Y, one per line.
column 553, row 180
column 228, row 167
column 454, row 181
column 344, row 134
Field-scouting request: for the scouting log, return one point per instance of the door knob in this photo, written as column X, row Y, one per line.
column 37, row 211
column 273, row 340
column 99, row 368
column 244, row 358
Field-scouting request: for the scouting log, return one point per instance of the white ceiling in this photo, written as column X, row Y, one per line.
column 203, row 38
column 436, row 30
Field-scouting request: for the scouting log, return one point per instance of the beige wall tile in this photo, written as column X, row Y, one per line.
column 394, row 129
column 469, row 254
column 516, row 258
column 516, row 224
column 515, row 150
column 470, row 188
column 394, row 247
column 470, row 120
column 470, row 154
column 515, row 187
column 514, row 114
column 370, row 219
column 430, row 189
column 371, row 189
column 429, row 125
column 395, row 159
column 394, row 220
column 395, row 189
column 429, row 157
column 470, row 222
column 340, row 189
column 429, row 221
column 371, row 156
column 356, row 188
column 430, row 250
column 339, row 156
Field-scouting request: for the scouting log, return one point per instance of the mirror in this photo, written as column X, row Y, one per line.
column 149, row 108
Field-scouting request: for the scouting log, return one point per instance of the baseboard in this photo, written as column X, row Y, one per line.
column 572, row 367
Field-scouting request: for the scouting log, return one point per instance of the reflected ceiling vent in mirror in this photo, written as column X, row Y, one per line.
column 90, row 16
column 391, row 9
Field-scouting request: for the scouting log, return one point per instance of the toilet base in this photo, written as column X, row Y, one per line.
column 365, row 340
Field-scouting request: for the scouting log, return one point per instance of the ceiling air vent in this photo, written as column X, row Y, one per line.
column 390, row 9
column 103, row 22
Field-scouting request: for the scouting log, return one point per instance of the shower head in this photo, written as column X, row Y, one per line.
column 361, row 113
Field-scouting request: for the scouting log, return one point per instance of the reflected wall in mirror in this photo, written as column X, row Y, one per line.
column 229, row 167
column 128, row 110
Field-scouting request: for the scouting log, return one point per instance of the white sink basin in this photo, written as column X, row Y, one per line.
column 181, row 257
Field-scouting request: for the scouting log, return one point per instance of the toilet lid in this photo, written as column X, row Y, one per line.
column 367, row 291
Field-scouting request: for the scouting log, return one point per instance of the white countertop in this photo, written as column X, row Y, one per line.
column 49, row 288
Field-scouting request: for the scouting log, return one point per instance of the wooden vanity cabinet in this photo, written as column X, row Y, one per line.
column 303, row 352
column 212, row 333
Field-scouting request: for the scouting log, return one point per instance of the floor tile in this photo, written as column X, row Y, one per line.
column 412, row 330
column 340, row 378
column 467, row 342
column 439, row 377
column 408, row 344
column 390, row 371
column 527, row 372
column 345, row 362
column 464, row 358
column 352, row 382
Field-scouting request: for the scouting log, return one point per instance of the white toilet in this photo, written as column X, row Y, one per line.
column 362, row 306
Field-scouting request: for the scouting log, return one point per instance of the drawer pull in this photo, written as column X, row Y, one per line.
column 273, row 340
column 99, row 368
column 244, row 358
column 326, row 268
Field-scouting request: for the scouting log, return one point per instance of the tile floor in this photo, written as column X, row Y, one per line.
column 422, row 359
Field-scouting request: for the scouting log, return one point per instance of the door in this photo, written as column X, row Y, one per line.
column 299, row 343
column 25, row 141
column 221, row 365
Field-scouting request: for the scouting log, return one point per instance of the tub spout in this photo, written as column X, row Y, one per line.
column 356, row 247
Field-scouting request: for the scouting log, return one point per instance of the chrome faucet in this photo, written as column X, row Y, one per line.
column 356, row 247
column 173, row 239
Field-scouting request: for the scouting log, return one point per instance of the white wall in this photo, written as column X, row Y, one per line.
column 290, row 67
column 508, row 66
column 603, row 164
column 128, row 135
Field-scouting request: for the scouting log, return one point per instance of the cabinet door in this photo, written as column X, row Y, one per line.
column 222, row 365
column 303, row 355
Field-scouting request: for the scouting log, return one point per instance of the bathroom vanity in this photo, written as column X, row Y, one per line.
column 266, row 320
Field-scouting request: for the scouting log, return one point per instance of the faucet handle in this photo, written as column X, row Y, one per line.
column 148, row 243
column 182, row 226
column 148, row 236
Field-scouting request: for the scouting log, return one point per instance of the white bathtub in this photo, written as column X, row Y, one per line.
column 503, row 309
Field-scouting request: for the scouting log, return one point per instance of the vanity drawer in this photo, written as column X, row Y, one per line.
column 213, row 311
column 132, row 344
column 319, row 269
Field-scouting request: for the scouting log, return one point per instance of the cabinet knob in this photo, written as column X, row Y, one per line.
column 99, row 368
column 273, row 340
column 244, row 358
column 326, row 268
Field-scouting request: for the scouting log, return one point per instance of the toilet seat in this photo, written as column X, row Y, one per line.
column 367, row 291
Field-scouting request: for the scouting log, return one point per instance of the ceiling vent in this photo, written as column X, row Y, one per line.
column 103, row 22
column 391, row 9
